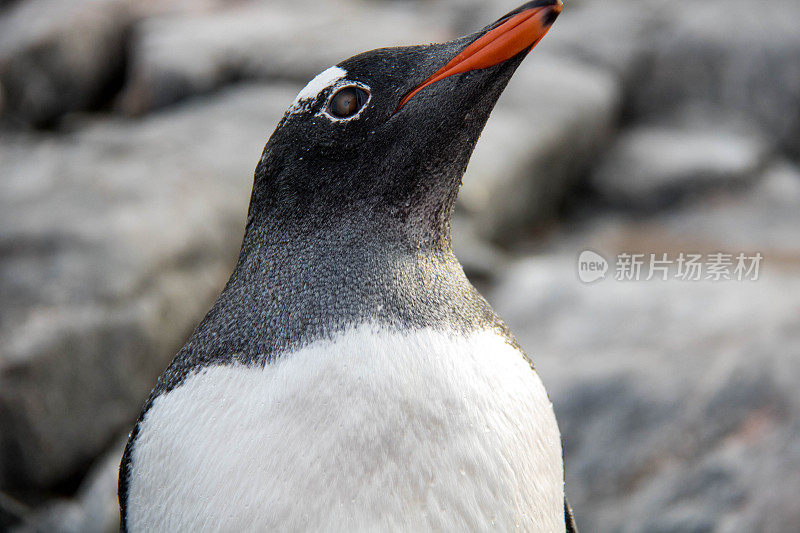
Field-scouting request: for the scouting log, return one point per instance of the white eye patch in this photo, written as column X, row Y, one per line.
column 308, row 95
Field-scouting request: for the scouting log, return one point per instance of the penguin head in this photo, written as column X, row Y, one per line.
column 382, row 139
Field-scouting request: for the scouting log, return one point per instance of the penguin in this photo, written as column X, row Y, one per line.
column 349, row 377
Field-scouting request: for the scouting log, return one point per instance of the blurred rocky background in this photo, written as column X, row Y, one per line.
column 129, row 131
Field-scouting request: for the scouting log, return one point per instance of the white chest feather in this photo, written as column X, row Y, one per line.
column 372, row 430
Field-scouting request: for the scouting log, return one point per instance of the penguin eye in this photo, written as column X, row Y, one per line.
column 347, row 102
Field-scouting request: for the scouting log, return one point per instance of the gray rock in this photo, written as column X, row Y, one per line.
column 174, row 57
column 766, row 219
column 677, row 400
column 652, row 167
column 95, row 507
column 12, row 511
column 613, row 35
column 58, row 56
column 113, row 243
column 549, row 125
column 710, row 60
column 482, row 261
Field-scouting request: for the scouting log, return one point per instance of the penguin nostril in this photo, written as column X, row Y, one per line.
column 347, row 102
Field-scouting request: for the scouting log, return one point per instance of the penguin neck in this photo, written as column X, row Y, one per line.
column 291, row 288
column 345, row 257
column 406, row 231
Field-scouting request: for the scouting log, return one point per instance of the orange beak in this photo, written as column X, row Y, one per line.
column 522, row 31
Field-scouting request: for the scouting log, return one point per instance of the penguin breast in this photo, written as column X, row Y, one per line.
column 374, row 428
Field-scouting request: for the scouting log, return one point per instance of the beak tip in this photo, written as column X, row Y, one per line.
column 553, row 12
column 519, row 30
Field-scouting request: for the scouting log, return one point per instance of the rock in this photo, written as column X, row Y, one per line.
column 711, row 61
column 612, row 35
column 549, row 125
column 58, row 56
column 113, row 243
column 95, row 508
column 481, row 260
column 176, row 57
column 652, row 389
column 12, row 511
column 780, row 184
column 652, row 167
column 677, row 400
column 765, row 220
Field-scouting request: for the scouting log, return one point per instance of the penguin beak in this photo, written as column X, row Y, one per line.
column 517, row 32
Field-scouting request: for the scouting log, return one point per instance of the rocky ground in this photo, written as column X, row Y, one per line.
column 129, row 130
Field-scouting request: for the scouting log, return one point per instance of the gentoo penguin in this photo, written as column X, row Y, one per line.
column 349, row 377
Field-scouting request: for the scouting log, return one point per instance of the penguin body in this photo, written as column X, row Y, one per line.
column 349, row 377
column 457, row 434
